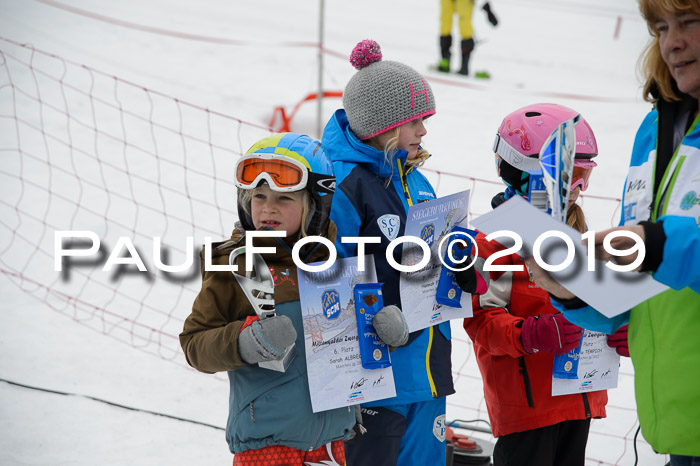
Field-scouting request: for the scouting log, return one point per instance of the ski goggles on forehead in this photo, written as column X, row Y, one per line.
column 581, row 173
column 282, row 174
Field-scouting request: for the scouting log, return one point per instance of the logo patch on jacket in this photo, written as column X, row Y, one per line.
column 281, row 277
column 439, row 428
column 690, row 200
column 389, row 225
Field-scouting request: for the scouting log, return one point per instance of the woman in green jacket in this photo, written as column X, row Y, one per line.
column 661, row 204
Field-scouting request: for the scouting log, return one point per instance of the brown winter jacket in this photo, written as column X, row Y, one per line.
column 265, row 407
column 210, row 334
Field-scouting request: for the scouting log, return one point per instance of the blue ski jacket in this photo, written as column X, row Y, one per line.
column 364, row 205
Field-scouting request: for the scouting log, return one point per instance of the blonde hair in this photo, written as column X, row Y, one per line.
column 654, row 70
column 575, row 218
column 245, row 197
column 391, row 147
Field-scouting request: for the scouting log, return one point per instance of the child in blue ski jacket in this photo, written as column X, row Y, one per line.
column 374, row 145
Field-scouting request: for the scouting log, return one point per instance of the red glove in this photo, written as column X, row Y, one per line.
column 618, row 340
column 550, row 333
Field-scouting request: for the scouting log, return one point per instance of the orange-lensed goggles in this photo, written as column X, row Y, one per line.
column 581, row 173
column 282, row 174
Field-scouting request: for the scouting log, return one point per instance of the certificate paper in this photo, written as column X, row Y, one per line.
column 431, row 221
column 598, row 367
column 608, row 292
column 336, row 376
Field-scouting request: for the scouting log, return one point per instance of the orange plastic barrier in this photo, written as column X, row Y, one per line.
column 287, row 119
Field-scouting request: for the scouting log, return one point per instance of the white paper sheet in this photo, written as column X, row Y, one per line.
column 598, row 367
column 609, row 292
column 431, row 221
column 336, row 375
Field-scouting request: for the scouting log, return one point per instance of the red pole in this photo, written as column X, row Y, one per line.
column 618, row 26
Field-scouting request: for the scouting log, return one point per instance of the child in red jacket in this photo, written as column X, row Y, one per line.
column 516, row 331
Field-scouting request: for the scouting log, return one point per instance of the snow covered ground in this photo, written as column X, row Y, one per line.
column 114, row 338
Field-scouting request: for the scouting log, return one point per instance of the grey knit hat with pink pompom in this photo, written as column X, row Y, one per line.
column 383, row 94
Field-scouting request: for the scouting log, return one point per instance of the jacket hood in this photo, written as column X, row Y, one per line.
column 341, row 144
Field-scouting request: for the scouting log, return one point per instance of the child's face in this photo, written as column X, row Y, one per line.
column 410, row 135
column 278, row 211
column 573, row 195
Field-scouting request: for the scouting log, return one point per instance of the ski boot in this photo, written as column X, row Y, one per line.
column 445, row 44
column 467, row 47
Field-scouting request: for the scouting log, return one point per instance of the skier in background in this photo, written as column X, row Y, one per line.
column 464, row 9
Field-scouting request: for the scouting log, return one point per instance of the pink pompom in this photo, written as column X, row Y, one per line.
column 365, row 53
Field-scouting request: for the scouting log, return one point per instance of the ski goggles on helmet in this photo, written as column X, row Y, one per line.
column 282, row 174
column 513, row 157
column 581, row 173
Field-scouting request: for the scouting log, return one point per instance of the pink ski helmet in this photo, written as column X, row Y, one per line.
column 522, row 134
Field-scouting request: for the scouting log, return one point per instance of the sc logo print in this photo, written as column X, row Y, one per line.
column 389, row 225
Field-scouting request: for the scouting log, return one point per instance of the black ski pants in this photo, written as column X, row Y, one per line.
column 562, row 444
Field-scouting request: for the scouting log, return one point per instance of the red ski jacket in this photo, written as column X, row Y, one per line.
column 518, row 385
